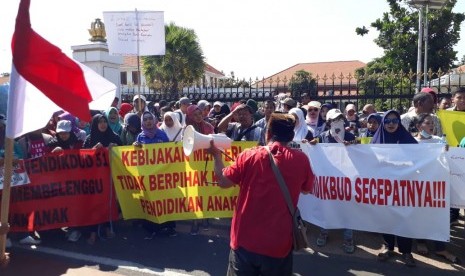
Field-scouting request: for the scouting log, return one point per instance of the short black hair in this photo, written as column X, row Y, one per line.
column 461, row 89
column 280, row 127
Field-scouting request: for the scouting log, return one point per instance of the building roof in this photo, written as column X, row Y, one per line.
column 319, row 69
column 131, row 62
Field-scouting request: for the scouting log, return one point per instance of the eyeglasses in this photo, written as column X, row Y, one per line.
column 388, row 121
column 313, row 109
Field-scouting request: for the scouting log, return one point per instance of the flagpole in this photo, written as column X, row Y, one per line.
column 138, row 62
column 8, row 167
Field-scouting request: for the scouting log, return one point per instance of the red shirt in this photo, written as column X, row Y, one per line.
column 261, row 222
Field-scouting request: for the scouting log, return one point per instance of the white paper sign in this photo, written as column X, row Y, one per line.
column 456, row 160
column 139, row 33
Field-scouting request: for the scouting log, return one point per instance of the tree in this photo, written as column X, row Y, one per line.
column 398, row 35
column 302, row 82
column 183, row 62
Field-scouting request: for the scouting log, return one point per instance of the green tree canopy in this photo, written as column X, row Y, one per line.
column 302, row 82
column 398, row 35
column 183, row 62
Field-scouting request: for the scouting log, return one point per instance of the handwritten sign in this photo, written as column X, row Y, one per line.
column 139, row 33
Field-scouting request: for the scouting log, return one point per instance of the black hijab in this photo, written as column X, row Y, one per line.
column 400, row 136
column 96, row 136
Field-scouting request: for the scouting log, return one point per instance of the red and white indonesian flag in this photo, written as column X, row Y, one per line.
column 44, row 80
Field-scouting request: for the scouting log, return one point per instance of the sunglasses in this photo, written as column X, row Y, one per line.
column 313, row 109
column 388, row 121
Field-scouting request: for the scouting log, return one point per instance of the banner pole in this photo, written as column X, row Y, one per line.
column 8, row 167
column 138, row 61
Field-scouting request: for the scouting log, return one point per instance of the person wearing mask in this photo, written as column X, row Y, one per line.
column 391, row 131
column 262, row 244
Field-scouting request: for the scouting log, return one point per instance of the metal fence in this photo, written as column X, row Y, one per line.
column 384, row 90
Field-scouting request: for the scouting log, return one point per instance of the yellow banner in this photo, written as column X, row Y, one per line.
column 159, row 183
column 453, row 125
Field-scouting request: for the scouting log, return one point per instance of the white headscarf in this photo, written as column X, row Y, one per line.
column 300, row 130
column 171, row 132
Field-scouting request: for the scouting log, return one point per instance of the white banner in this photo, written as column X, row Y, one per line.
column 456, row 160
column 135, row 33
column 394, row 189
column 19, row 176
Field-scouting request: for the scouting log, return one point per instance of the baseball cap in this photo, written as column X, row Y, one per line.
column 314, row 104
column 142, row 97
column 202, row 104
column 432, row 92
column 333, row 114
column 290, row 102
column 63, row 126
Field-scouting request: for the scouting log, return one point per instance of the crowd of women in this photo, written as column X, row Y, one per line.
column 140, row 122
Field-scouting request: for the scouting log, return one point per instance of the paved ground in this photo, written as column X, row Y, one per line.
column 206, row 254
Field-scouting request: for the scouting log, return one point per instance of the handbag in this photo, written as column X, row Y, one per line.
column 299, row 230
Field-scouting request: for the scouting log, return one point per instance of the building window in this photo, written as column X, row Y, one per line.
column 124, row 78
column 135, row 77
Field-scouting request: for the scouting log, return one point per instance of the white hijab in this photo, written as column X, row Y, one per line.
column 300, row 130
column 171, row 132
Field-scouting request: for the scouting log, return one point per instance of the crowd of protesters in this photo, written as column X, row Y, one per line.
column 139, row 123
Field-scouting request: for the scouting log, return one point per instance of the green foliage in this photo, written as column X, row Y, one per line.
column 302, row 82
column 398, row 35
column 183, row 62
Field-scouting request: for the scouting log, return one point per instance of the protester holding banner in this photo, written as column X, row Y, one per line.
column 113, row 120
column 131, row 128
column 150, row 132
column 65, row 139
column 372, row 123
column 262, row 244
column 101, row 136
column 425, row 125
column 301, row 132
column 171, row 126
column 391, row 131
column 336, row 134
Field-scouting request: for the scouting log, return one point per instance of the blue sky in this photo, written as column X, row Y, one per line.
column 252, row 38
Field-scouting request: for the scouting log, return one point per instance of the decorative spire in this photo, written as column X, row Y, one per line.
column 97, row 31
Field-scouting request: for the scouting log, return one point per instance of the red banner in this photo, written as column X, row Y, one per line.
column 69, row 189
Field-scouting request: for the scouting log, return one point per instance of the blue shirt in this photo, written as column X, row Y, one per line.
column 160, row 137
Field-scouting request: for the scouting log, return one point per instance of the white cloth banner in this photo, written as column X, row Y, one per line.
column 394, row 189
column 19, row 177
column 456, row 160
column 136, row 33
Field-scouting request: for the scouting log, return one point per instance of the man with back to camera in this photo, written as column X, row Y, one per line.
column 261, row 229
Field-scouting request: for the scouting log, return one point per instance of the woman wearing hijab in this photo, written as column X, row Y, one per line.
column 313, row 119
column 65, row 139
column 194, row 117
column 301, row 131
column 132, row 127
column 373, row 122
column 171, row 126
column 80, row 134
column 151, row 134
column 113, row 120
column 391, row 131
column 101, row 136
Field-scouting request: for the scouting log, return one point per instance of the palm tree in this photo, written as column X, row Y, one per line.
column 183, row 62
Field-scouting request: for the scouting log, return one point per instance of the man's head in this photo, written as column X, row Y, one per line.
column 304, row 99
column 184, row 103
column 445, row 103
column 270, row 107
column 423, row 103
column 244, row 115
column 139, row 103
column 288, row 104
column 368, row 109
column 458, row 98
column 431, row 92
column 280, row 128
